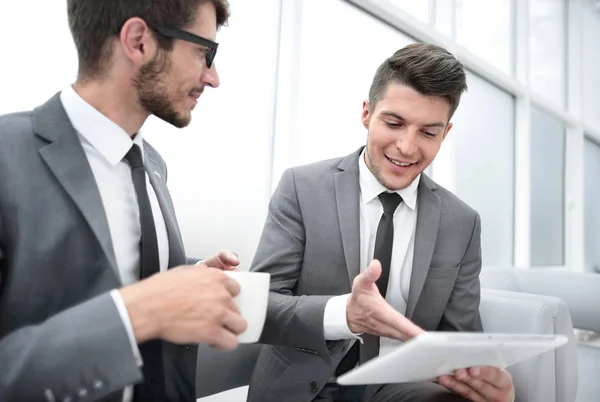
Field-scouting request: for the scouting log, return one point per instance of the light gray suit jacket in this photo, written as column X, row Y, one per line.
column 60, row 332
column 311, row 247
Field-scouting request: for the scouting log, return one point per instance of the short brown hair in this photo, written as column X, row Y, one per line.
column 428, row 69
column 94, row 22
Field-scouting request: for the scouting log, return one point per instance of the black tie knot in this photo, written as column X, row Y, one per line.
column 134, row 157
column 390, row 202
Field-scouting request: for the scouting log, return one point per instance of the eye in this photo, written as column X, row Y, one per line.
column 393, row 125
column 428, row 134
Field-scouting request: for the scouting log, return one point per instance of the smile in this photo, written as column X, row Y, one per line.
column 400, row 163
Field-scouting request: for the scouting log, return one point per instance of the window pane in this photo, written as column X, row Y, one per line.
column 484, row 27
column 591, row 61
column 482, row 146
column 592, row 206
column 418, row 8
column 547, row 189
column 336, row 71
column 547, row 44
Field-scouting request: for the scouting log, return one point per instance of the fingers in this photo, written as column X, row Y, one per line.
column 496, row 377
column 480, row 384
column 460, row 388
column 229, row 259
column 232, row 325
column 235, row 323
column 225, row 341
column 483, row 388
column 224, row 260
column 394, row 325
column 367, row 279
column 231, row 285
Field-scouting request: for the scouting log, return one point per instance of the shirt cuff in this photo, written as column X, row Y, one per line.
column 335, row 325
column 127, row 323
column 199, row 262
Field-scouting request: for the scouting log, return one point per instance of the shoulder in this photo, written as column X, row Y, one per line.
column 16, row 135
column 453, row 205
column 15, row 124
column 315, row 171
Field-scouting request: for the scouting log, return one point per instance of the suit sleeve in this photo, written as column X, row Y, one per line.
column 82, row 352
column 462, row 311
column 293, row 321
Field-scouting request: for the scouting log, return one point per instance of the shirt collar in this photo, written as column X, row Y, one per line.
column 110, row 140
column 370, row 187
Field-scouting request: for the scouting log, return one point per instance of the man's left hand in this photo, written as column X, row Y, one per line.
column 224, row 260
column 481, row 384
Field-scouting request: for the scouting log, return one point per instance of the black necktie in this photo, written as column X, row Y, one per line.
column 384, row 242
column 153, row 388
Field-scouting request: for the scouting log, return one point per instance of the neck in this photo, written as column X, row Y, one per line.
column 115, row 100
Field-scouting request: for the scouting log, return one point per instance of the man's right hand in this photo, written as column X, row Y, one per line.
column 368, row 312
column 186, row 304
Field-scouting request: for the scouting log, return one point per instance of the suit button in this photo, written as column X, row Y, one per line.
column 187, row 347
column 314, row 387
column 82, row 393
column 98, row 385
column 67, row 399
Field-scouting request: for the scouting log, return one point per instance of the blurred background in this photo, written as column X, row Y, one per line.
column 524, row 150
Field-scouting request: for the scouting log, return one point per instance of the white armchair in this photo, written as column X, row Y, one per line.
column 581, row 293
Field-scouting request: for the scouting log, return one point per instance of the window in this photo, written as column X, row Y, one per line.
column 547, row 189
column 591, row 61
column 418, row 8
column 592, row 206
column 547, row 49
column 485, row 28
column 479, row 150
column 336, row 71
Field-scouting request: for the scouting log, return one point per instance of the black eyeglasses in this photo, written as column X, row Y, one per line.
column 176, row 33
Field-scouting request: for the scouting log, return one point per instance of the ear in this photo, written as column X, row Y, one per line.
column 446, row 131
column 137, row 41
column 366, row 114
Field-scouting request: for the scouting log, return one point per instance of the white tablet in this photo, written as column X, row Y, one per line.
column 432, row 354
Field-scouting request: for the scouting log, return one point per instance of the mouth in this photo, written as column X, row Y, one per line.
column 400, row 164
column 195, row 94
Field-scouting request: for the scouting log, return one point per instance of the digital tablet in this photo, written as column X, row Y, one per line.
column 432, row 354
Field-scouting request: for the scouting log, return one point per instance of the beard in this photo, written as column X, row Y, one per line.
column 153, row 94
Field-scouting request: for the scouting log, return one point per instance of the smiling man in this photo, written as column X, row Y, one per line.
column 97, row 301
column 366, row 250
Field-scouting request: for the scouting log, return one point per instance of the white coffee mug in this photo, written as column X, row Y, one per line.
column 252, row 302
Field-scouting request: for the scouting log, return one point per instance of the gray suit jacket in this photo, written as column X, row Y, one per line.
column 60, row 332
column 311, row 247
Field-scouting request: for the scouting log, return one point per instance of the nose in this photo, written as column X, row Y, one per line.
column 407, row 142
column 210, row 76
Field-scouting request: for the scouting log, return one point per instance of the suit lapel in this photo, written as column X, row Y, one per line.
column 428, row 221
column 66, row 159
column 176, row 249
column 347, row 197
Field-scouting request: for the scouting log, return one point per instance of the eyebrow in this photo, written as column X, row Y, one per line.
column 397, row 116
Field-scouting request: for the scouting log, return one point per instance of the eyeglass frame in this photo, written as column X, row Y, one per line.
column 177, row 33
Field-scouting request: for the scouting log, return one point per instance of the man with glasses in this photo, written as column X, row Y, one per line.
column 97, row 300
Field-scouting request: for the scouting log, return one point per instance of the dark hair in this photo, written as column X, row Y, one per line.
column 94, row 22
column 428, row 69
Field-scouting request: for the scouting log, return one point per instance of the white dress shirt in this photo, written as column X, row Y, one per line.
column 405, row 222
column 105, row 145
